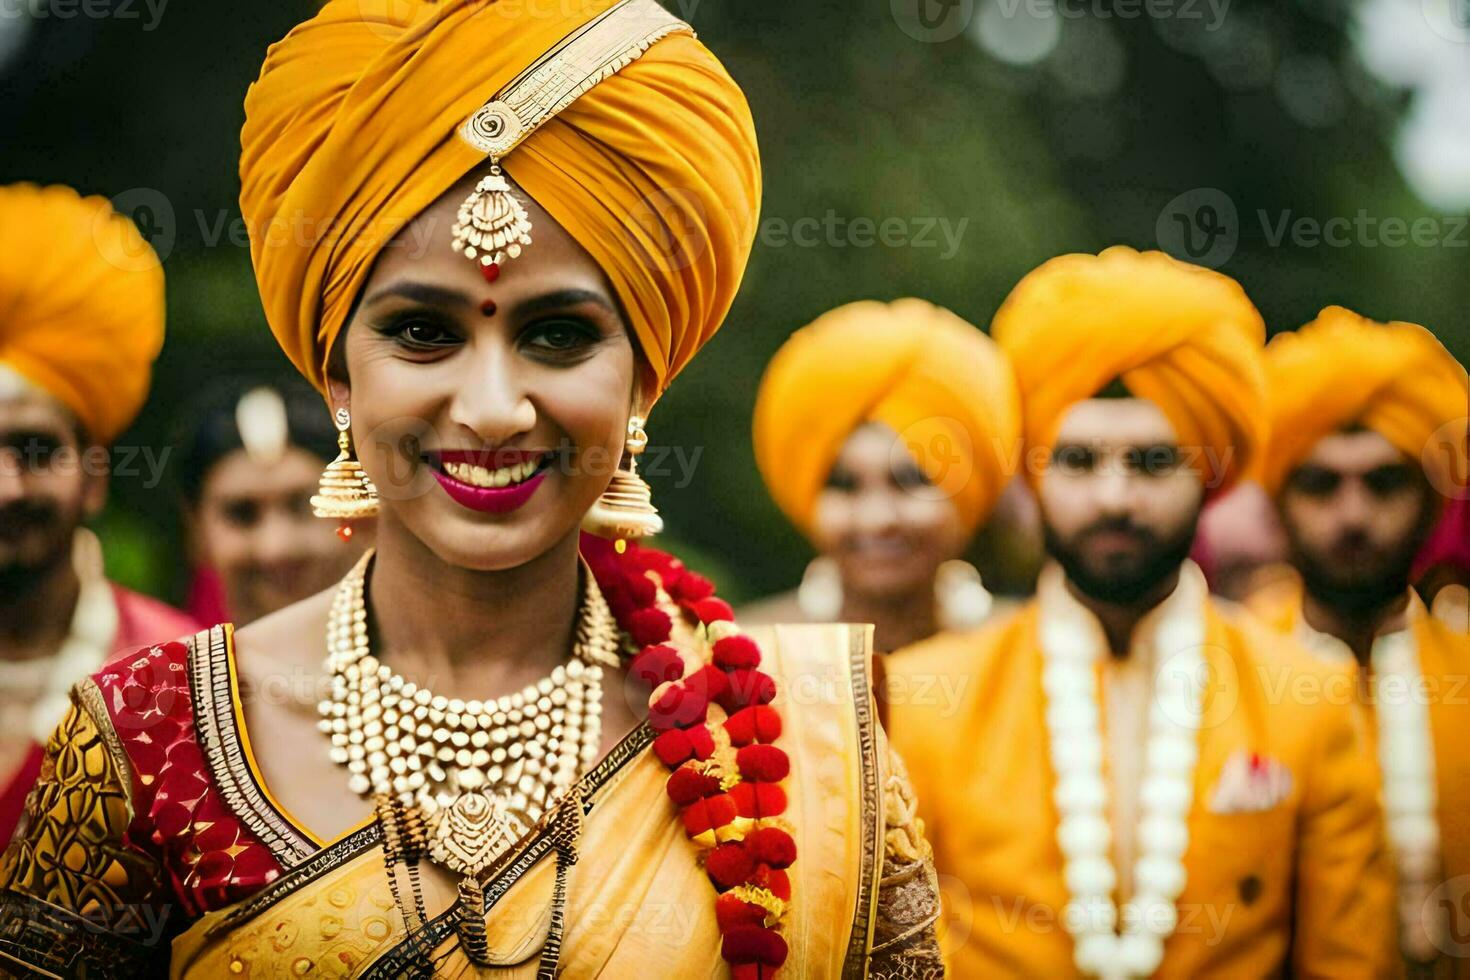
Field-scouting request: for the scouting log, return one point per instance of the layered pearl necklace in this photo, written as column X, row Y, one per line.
column 482, row 773
column 1070, row 655
column 1406, row 757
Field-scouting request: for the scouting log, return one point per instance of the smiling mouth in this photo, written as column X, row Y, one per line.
column 479, row 469
column 491, row 482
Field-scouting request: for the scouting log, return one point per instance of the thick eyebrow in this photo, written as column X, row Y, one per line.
column 1156, row 447
column 22, row 437
column 421, row 292
column 561, row 299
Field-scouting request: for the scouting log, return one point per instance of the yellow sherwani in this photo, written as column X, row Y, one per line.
column 1444, row 662
column 1301, row 884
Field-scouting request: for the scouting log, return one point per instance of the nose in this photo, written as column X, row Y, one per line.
column 277, row 537
column 1354, row 503
column 491, row 400
column 875, row 510
column 1113, row 489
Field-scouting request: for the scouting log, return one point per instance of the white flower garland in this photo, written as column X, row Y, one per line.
column 1406, row 757
column 1084, row 834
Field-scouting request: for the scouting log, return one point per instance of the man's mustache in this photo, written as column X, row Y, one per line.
column 1117, row 526
column 23, row 515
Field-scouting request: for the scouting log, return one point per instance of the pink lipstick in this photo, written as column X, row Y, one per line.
column 471, row 470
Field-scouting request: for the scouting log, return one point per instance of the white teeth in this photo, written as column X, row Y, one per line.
column 479, row 476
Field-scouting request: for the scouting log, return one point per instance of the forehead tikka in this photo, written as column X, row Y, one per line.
column 492, row 224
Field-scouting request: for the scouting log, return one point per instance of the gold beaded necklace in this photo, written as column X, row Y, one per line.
column 481, row 774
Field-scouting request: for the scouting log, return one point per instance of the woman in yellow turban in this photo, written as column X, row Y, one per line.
column 886, row 432
column 490, row 233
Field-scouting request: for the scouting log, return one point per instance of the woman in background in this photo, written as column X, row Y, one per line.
column 248, row 467
column 505, row 749
column 884, row 432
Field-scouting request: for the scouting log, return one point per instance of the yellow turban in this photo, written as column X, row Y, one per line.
column 1186, row 338
column 1394, row 378
column 930, row 376
column 350, row 133
column 81, row 303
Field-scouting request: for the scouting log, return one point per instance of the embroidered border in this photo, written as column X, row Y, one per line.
column 324, row 861
column 865, row 915
column 219, row 741
column 89, row 698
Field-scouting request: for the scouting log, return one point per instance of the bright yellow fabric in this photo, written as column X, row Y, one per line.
column 1184, row 337
column 81, row 303
column 1394, row 378
column 1303, row 885
column 350, row 133
column 919, row 369
column 1444, row 662
column 639, row 903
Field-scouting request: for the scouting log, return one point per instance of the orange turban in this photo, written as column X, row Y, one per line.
column 81, row 304
column 930, row 376
column 1186, row 338
column 1394, row 378
column 350, row 133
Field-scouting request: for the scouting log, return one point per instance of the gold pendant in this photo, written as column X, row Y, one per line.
column 491, row 224
column 471, row 832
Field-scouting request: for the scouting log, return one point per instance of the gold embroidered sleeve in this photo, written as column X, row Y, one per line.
column 75, row 899
column 905, row 942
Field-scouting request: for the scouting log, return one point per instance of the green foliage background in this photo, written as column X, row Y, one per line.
column 856, row 118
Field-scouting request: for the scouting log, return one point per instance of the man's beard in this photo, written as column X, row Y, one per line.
column 50, row 536
column 1361, row 596
column 1130, row 584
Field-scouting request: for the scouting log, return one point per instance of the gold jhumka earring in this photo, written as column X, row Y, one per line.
column 345, row 492
column 625, row 509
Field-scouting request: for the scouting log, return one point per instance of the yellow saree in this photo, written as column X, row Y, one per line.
column 638, row 901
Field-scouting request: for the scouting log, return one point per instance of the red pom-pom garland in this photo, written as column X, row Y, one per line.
column 716, row 725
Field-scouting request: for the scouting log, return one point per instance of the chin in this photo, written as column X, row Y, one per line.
column 878, row 585
column 492, row 546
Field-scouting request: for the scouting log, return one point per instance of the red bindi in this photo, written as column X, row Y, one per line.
column 488, row 307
